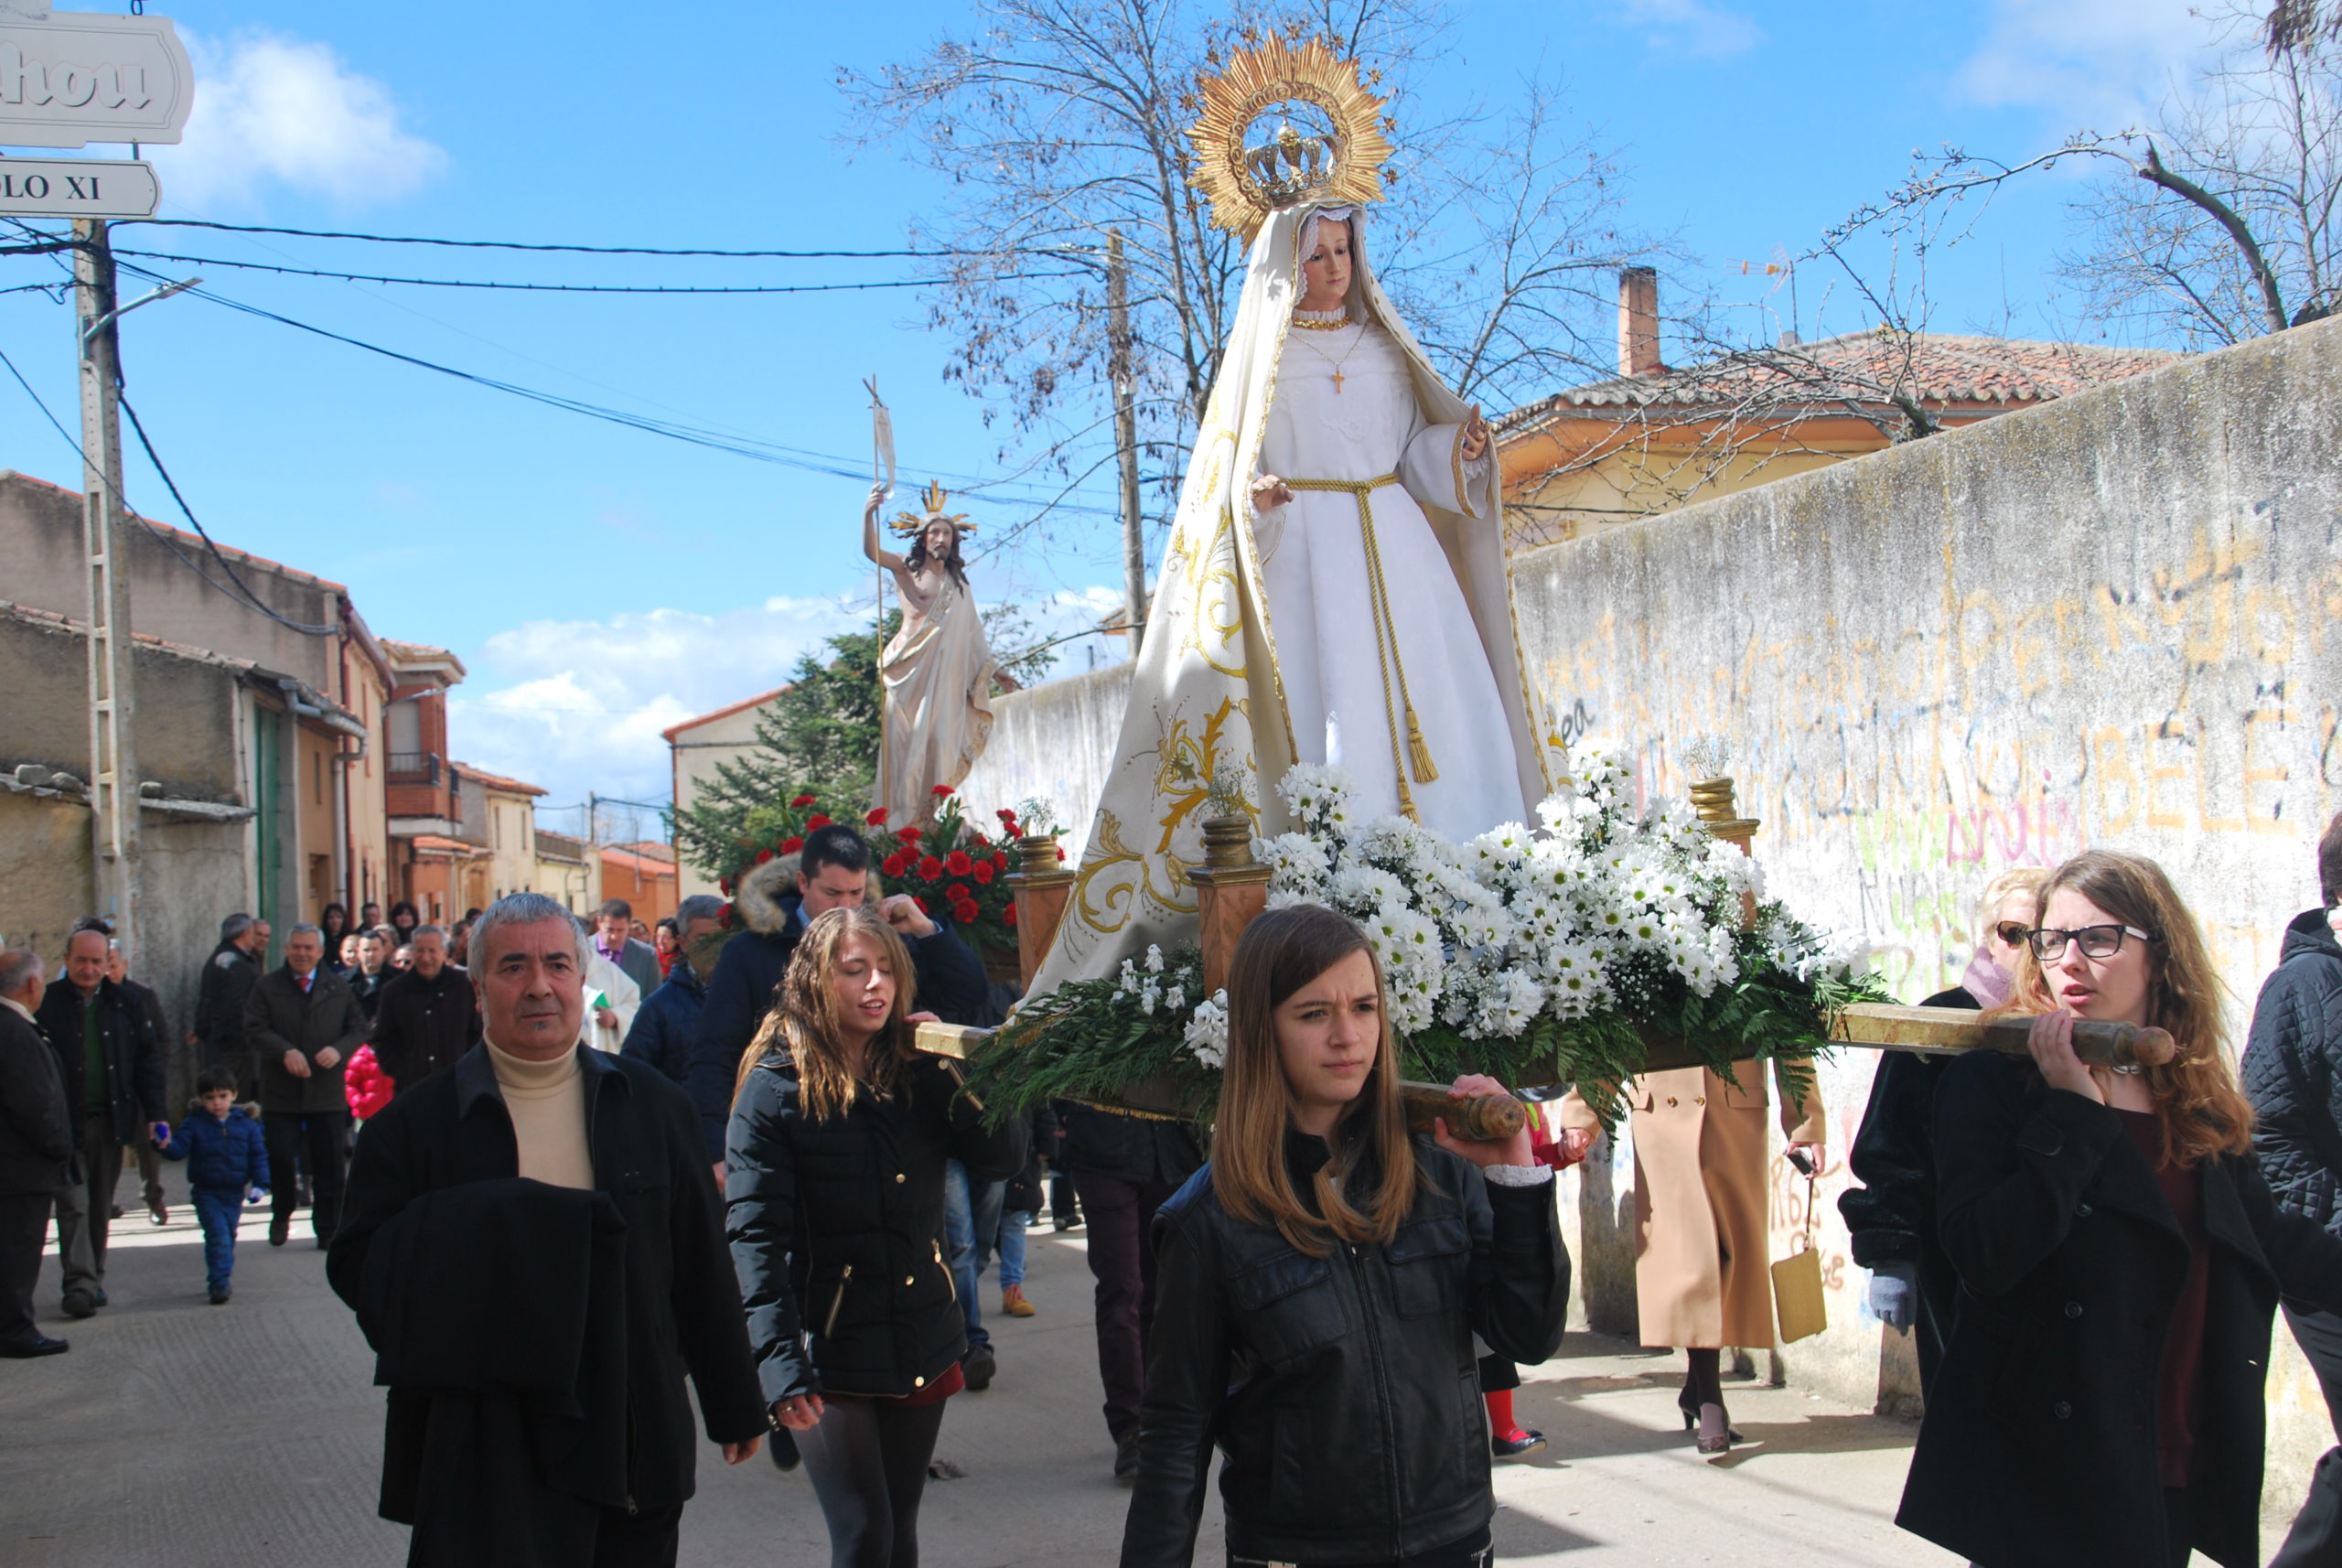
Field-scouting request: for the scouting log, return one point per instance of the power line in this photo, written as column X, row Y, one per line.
column 187, row 511
column 524, row 245
column 562, row 287
column 191, row 562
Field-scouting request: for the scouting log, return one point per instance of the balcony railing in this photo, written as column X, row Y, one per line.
column 413, row 768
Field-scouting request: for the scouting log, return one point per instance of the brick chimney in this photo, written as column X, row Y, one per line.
column 1639, row 322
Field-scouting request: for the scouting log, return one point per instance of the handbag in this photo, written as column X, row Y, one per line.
column 1797, row 1301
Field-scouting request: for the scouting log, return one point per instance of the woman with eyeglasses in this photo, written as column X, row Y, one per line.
column 2120, row 1259
column 1891, row 1217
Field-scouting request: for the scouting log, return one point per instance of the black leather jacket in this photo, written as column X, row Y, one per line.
column 1343, row 1388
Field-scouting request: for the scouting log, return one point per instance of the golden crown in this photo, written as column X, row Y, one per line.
column 1246, row 184
column 908, row 523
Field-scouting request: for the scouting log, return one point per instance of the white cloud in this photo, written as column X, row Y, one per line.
column 1687, row 26
column 2104, row 64
column 578, row 706
column 277, row 110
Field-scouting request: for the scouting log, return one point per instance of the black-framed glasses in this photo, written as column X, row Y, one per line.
column 2011, row 933
column 2048, row 943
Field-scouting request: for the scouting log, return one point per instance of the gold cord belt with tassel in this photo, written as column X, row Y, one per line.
column 1386, row 638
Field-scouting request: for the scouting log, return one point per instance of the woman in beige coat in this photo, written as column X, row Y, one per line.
column 1703, row 1258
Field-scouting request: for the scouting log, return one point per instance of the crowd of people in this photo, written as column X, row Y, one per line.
column 763, row 1187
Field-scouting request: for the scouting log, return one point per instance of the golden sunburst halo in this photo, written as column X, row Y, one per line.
column 1244, row 185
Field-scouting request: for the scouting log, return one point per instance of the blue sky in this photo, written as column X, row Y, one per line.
column 602, row 582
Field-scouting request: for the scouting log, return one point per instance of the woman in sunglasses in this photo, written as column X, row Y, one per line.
column 2120, row 1259
column 1891, row 1217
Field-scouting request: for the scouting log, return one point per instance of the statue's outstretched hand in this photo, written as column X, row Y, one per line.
column 1475, row 436
column 877, row 499
column 1269, row 492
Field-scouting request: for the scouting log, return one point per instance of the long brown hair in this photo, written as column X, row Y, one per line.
column 1280, row 952
column 803, row 1023
column 2197, row 1104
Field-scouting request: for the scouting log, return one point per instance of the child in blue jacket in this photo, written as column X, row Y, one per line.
column 226, row 1160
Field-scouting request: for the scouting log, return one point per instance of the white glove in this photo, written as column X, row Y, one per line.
column 1894, row 1293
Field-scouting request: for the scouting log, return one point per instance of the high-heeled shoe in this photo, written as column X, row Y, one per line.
column 1715, row 1434
column 1691, row 1414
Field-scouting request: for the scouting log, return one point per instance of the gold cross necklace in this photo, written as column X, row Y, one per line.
column 1300, row 320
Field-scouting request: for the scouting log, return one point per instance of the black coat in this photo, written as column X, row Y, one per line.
column 837, row 1229
column 668, row 1019
column 368, row 988
column 2039, row 1444
column 740, row 992
column 1137, row 1149
column 1345, row 1389
column 422, row 1026
column 36, row 1132
column 279, row 1017
column 2293, row 1071
column 228, row 977
column 134, row 1057
column 1891, row 1217
column 681, row 1310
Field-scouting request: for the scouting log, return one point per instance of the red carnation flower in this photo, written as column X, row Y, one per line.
column 725, row 912
column 940, row 790
column 763, row 855
column 876, row 819
column 892, row 865
column 909, row 835
column 966, row 913
column 983, row 872
column 1005, row 815
column 723, row 885
column 999, row 861
column 980, row 841
column 802, row 801
column 1060, row 857
column 921, row 903
column 929, row 867
column 1008, row 917
column 791, row 844
column 959, row 862
column 816, row 821
column 958, row 892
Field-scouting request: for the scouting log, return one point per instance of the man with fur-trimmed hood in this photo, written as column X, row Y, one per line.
column 832, row 870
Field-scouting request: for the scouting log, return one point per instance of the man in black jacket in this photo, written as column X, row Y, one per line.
column 305, row 1024
column 36, row 1152
column 112, row 1067
column 428, row 1016
column 150, row 1007
column 2292, row 1072
column 535, row 1251
column 832, row 871
column 1124, row 1167
column 227, row 983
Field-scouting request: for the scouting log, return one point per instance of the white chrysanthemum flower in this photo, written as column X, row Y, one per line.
column 1362, row 887
column 1295, row 860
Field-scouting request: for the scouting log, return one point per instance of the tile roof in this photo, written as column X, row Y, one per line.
column 242, row 556
column 495, row 781
column 1951, row 370
column 672, row 731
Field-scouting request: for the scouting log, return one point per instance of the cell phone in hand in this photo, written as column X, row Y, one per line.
column 1803, row 1161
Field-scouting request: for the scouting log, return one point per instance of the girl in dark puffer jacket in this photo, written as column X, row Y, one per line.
column 834, row 1188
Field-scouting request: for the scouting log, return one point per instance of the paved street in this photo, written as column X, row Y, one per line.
column 247, row 1437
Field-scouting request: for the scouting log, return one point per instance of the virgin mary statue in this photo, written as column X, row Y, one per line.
column 1333, row 591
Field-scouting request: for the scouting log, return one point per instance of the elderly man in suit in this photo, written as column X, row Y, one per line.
column 305, row 1023
column 36, row 1152
column 112, row 1067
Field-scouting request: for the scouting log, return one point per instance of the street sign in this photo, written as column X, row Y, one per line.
column 70, row 78
column 78, row 187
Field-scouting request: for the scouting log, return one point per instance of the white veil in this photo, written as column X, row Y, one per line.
column 1206, row 697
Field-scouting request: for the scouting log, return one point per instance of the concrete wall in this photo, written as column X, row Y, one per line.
column 694, row 750
column 2108, row 621
column 1052, row 742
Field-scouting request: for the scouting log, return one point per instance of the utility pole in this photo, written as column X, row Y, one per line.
column 1118, row 338
column 113, row 765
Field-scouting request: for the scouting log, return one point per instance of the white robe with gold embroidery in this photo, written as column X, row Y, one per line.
column 1261, row 648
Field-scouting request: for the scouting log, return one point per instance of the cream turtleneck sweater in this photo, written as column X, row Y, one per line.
column 547, row 1104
